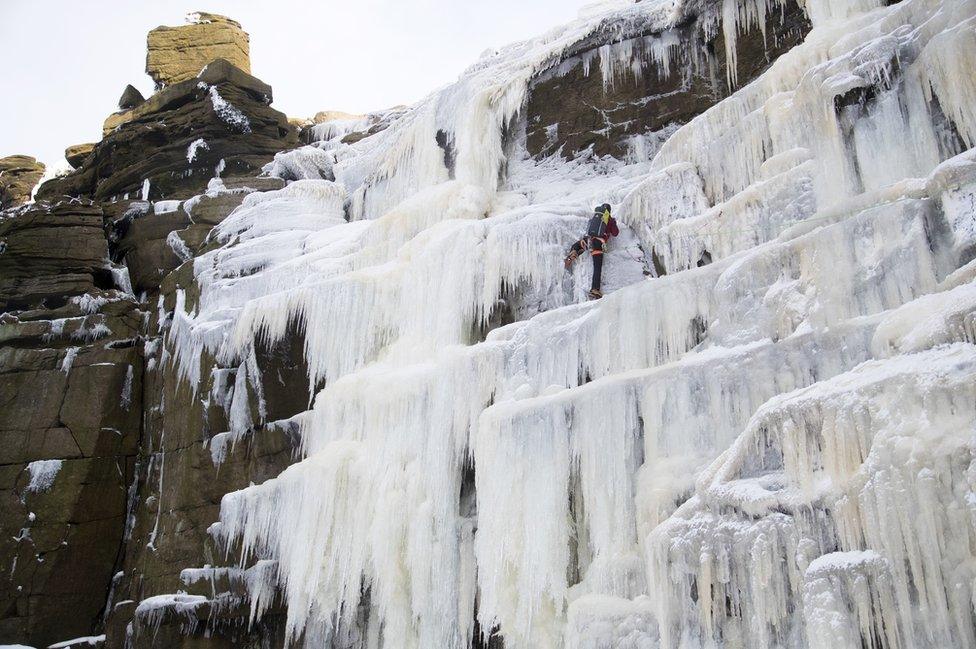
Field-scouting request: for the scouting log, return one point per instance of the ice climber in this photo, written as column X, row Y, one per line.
column 601, row 227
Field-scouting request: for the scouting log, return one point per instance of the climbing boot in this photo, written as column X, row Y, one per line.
column 568, row 262
column 595, row 294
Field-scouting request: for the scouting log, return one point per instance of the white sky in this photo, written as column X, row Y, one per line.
column 66, row 62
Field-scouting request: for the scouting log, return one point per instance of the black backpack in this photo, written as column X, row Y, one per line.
column 596, row 227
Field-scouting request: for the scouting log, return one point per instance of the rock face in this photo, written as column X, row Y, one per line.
column 176, row 54
column 615, row 98
column 61, row 539
column 51, row 255
column 82, row 451
column 67, row 342
column 190, row 462
column 18, row 176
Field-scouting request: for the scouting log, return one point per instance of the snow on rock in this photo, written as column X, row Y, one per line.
column 929, row 321
column 864, row 462
column 300, row 164
column 69, row 359
column 165, row 207
column 226, row 111
column 769, row 445
column 601, row 622
column 86, row 641
column 152, row 610
column 123, row 282
column 42, row 474
column 334, row 129
column 178, row 246
column 125, row 399
column 195, row 147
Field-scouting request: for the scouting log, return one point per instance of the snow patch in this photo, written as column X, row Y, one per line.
column 42, row 474
column 195, row 147
column 230, row 114
column 91, row 641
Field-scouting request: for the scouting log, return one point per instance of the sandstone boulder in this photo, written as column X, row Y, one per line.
column 18, row 176
column 179, row 53
column 214, row 73
column 76, row 154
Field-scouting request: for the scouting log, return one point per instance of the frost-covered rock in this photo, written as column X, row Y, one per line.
column 615, row 90
column 419, row 431
column 222, row 105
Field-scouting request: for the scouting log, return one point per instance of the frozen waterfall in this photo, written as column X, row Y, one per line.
column 773, row 449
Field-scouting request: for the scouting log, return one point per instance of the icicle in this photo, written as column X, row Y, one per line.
column 716, row 437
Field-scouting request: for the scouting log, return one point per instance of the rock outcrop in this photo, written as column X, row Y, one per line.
column 176, row 54
column 67, row 465
column 76, row 154
column 52, row 254
column 70, row 419
column 84, row 451
column 19, row 174
column 79, row 351
column 171, row 144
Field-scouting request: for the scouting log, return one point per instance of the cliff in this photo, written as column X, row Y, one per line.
column 334, row 387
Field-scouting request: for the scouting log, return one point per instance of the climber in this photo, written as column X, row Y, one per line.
column 601, row 227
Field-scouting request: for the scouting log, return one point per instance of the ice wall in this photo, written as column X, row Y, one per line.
column 768, row 445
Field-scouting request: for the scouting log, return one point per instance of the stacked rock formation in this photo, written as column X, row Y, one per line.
column 81, row 270
column 223, row 109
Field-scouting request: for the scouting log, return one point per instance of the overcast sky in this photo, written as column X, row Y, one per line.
column 66, row 62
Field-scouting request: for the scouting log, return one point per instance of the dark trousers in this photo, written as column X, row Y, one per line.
column 595, row 246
